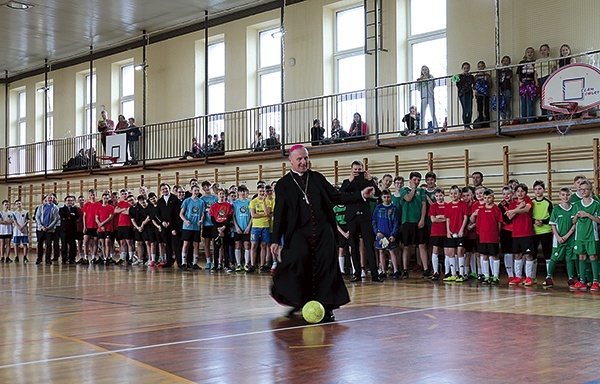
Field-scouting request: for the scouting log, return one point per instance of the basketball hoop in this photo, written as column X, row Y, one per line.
column 564, row 118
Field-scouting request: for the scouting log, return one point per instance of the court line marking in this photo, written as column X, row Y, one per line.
column 253, row 333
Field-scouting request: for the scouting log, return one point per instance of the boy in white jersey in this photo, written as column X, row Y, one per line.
column 21, row 221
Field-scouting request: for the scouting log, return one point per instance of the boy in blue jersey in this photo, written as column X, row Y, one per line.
column 209, row 233
column 385, row 226
column 192, row 215
column 242, row 222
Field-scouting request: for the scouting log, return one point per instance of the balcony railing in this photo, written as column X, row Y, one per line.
column 381, row 108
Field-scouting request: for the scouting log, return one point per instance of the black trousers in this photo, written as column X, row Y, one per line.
column 69, row 245
column 45, row 238
column 359, row 227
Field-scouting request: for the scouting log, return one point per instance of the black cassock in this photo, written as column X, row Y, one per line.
column 309, row 267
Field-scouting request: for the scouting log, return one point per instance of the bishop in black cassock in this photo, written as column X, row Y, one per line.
column 304, row 219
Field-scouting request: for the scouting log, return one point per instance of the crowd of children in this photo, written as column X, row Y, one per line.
column 468, row 231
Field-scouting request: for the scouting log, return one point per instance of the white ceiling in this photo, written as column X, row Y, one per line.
column 61, row 29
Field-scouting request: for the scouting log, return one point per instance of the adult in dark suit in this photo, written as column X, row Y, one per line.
column 166, row 214
column 359, row 221
column 303, row 217
column 69, row 214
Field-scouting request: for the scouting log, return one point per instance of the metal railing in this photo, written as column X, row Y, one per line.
column 248, row 130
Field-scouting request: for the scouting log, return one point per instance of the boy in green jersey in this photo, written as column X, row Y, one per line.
column 413, row 222
column 561, row 222
column 586, row 235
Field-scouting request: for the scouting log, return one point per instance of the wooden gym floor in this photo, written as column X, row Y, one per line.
column 96, row 324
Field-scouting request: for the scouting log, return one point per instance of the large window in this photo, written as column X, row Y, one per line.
column 19, row 167
column 216, row 88
column 89, row 96
column 50, row 126
column 269, row 84
column 427, row 43
column 349, row 59
column 127, row 91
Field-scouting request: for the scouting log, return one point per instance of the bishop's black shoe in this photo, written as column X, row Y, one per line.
column 329, row 316
column 292, row 312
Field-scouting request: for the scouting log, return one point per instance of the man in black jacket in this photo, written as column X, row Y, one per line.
column 167, row 210
column 359, row 221
column 69, row 214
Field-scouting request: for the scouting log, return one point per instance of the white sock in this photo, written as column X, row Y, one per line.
column 195, row 258
column 238, row 256
column 341, row 260
column 452, row 265
column 247, row 256
column 435, row 262
column 508, row 264
column 547, row 265
column 518, row 268
column 183, row 258
column 480, row 268
column 461, row 266
column 529, row 268
column 473, row 263
column 153, row 257
column 485, row 265
column 209, row 260
column 534, row 269
column 122, row 255
column 496, row 267
column 447, row 263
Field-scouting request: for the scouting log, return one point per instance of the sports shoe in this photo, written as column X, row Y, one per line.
column 183, row 267
column 405, row 273
column 528, row 282
column 494, row 281
column 486, row 280
column 8, row 260
column 16, row 259
column 481, row 278
column 473, row 275
column 427, row 273
column 263, row 269
column 152, row 264
column 579, row 286
column 363, row 274
column 137, row 262
column 396, row 275
column 196, row 267
column 239, row 268
column 516, row 281
column 25, row 260
column 595, row 287
column 85, row 262
column 510, row 278
column 450, row 278
column 208, row 266
column 435, row 276
column 548, row 283
column 382, row 275
column 459, row 279
column 249, row 269
column 571, row 282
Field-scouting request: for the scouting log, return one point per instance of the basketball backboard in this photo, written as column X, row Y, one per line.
column 574, row 83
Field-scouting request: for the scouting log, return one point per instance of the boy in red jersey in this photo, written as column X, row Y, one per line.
column 438, row 231
column 456, row 213
column 221, row 213
column 470, row 240
column 90, row 227
column 519, row 211
column 506, row 232
column 125, row 227
column 479, row 202
column 488, row 219
column 104, row 220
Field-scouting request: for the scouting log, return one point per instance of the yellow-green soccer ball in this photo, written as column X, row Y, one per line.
column 313, row 312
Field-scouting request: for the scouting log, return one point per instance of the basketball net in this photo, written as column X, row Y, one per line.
column 564, row 118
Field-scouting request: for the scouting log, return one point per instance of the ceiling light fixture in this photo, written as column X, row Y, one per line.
column 18, row 5
column 140, row 67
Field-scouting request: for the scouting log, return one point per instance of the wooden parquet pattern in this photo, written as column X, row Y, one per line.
column 97, row 324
